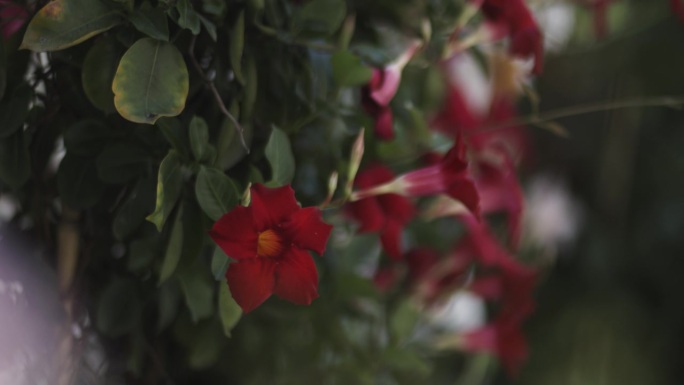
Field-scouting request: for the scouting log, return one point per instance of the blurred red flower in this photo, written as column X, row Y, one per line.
column 514, row 19
column 450, row 176
column 12, row 17
column 269, row 239
column 379, row 92
column 385, row 213
column 504, row 338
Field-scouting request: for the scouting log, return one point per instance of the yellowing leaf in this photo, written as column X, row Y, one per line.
column 64, row 23
column 150, row 82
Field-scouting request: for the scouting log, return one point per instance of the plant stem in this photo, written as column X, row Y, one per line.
column 217, row 96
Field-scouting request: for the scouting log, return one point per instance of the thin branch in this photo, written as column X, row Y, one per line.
column 548, row 116
column 210, row 83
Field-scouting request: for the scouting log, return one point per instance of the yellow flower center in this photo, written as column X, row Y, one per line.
column 269, row 244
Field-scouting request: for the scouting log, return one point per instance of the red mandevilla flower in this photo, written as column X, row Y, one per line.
column 386, row 213
column 513, row 18
column 269, row 239
column 503, row 338
column 450, row 176
column 377, row 94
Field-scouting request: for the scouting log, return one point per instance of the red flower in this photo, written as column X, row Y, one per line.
column 499, row 189
column 450, row 176
column 513, row 18
column 12, row 17
column 377, row 94
column 269, row 239
column 485, row 248
column 503, row 338
column 385, row 213
column 432, row 277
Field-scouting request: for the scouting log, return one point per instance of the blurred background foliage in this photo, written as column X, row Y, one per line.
column 610, row 310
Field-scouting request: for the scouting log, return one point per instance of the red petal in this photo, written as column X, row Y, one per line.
column 464, row 190
column 234, row 233
column 391, row 239
column 384, row 92
column 307, row 230
column 397, row 207
column 372, row 176
column 272, row 206
column 384, row 126
column 251, row 282
column 368, row 213
column 296, row 277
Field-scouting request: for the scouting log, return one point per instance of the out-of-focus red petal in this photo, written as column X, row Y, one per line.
column 390, row 237
column 235, row 234
column 272, row 206
column 397, row 207
column 383, row 92
column 385, row 278
column 296, row 277
column 420, row 261
column 384, row 123
column 500, row 190
column 373, row 176
column 514, row 18
column 251, row 282
column 368, row 213
column 465, row 191
column 503, row 338
column 307, row 230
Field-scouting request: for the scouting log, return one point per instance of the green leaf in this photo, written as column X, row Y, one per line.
column 237, row 45
column 150, row 82
column 209, row 26
column 348, row 71
column 63, row 23
column 199, row 138
column 169, row 302
column 219, row 264
column 132, row 212
column 174, row 133
column 87, row 137
column 174, row 249
column 187, row 17
column 151, row 21
column 169, row 183
column 198, row 290
column 99, row 67
column 77, row 182
column 214, row 7
column 250, row 91
column 279, row 155
column 15, row 163
column 14, row 110
column 121, row 162
column 141, row 253
column 407, row 362
column 403, row 320
column 119, row 308
column 229, row 148
column 216, row 192
column 205, row 347
column 320, row 17
column 229, row 311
